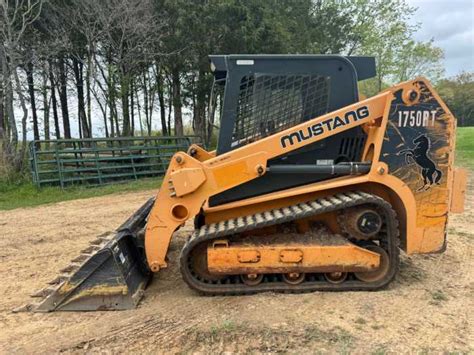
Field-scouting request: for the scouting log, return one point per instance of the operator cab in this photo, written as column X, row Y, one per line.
column 256, row 96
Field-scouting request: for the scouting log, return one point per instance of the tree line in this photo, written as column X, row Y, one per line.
column 140, row 64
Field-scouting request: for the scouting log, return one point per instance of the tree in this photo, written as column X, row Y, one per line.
column 16, row 19
column 147, row 60
column 458, row 93
column 419, row 58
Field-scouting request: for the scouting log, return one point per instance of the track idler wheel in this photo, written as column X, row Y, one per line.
column 381, row 271
column 199, row 263
column 251, row 279
column 361, row 223
column 335, row 278
column 293, row 278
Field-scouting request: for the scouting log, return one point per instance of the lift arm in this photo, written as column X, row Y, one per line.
column 188, row 182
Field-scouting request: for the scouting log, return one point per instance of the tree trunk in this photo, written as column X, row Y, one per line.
column 11, row 117
column 132, row 109
column 88, row 88
column 11, row 122
column 81, row 109
column 63, row 98
column 117, row 126
column 110, row 95
column 177, row 104
column 19, row 92
column 2, row 107
column 161, row 100
column 193, row 103
column 379, row 75
column 31, row 92
column 200, row 110
column 170, row 107
column 10, row 134
column 137, row 98
column 45, row 107
column 124, row 90
column 105, row 122
column 54, row 102
column 2, row 115
column 103, row 109
column 145, row 103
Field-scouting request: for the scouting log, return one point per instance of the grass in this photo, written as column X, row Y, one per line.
column 465, row 147
column 245, row 338
column 24, row 194
column 226, row 327
column 439, row 295
column 380, row 350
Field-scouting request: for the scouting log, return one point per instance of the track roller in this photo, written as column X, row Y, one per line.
column 381, row 271
column 335, row 278
column 294, row 278
column 251, row 279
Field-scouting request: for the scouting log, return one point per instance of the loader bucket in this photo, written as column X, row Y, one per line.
column 111, row 274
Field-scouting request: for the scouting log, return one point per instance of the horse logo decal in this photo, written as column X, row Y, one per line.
column 420, row 156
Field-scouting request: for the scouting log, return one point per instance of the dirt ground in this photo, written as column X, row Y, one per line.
column 427, row 309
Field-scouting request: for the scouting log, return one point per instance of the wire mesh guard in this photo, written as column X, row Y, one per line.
column 270, row 103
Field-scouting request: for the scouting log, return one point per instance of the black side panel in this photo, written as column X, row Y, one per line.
column 346, row 146
column 266, row 94
column 417, row 148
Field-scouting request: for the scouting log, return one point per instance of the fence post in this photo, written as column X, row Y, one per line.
column 97, row 163
column 34, row 163
column 59, row 165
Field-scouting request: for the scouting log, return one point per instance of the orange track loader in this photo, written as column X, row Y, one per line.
column 310, row 188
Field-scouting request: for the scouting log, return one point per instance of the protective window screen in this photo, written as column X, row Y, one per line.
column 270, row 103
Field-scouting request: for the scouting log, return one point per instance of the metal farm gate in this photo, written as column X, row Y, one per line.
column 99, row 161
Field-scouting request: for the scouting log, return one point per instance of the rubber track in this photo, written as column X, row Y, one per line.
column 232, row 284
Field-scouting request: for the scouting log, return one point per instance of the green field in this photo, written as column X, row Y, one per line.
column 27, row 195
column 465, row 147
column 24, row 194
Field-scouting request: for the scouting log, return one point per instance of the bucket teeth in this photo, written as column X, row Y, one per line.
column 44, row 292
column 59, row 279
column 70, row 268
column 102, row 239
column 25, row 308
column 97, row 241
column 91, row 249
column 94, row 280
column 81, row 258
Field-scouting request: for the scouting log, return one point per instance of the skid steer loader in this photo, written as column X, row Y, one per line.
column 310, row 188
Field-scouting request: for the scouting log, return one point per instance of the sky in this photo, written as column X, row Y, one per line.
column 451, row 24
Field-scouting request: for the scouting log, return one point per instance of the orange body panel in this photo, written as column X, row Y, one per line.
column 291, row 258
column 422, row 217
column 458, row 190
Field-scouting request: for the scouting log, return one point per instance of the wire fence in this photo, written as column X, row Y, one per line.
column 100, row 161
